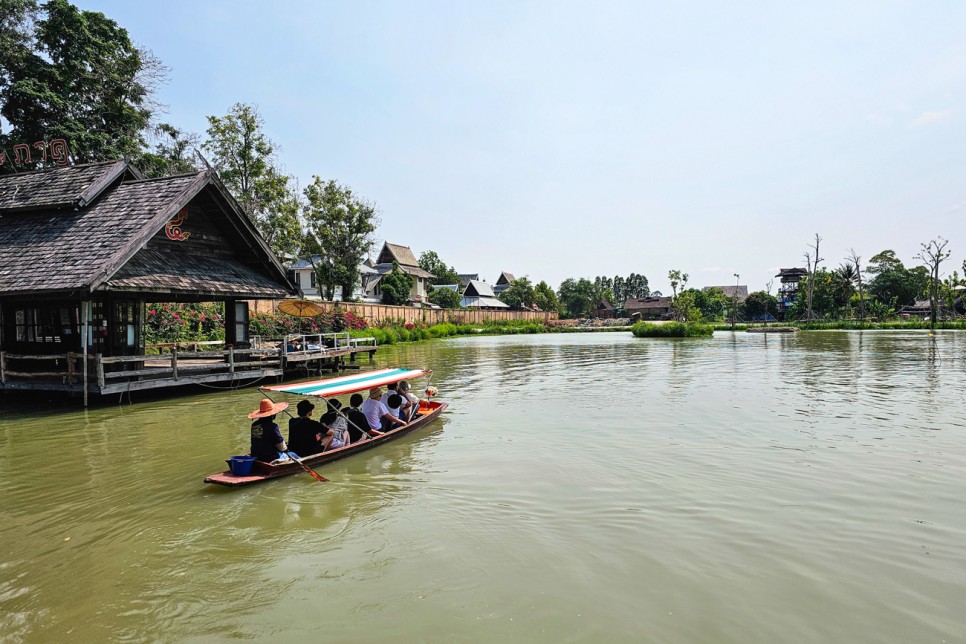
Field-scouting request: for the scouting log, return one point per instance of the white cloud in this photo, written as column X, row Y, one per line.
column 931, row 118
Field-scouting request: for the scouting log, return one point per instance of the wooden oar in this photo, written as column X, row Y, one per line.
column 316, row 475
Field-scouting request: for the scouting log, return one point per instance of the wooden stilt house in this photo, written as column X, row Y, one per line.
column 85, row 247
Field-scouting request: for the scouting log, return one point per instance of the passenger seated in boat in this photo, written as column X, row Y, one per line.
column 356, row 420
column 393, row 402
column 377, row 414
column 335, row 439
column 411, row 401
column 305, row 434
column 339, row 424
column 267, row 443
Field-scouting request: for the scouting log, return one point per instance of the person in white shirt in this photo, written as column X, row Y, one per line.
column 377, row 414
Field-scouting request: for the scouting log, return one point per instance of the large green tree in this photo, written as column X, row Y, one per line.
column 545, row 298
column 246, row 161
column 73, row 75
column 520, row 294
column 339, row 228
column 445, row 298
column 396, row 286
column 576, row 297
column 444, row 273
column 892, row 283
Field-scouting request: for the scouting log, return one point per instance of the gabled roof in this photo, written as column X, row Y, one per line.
column 505, row 278
column 114, row 242
column 647, row 303
column 478, row 289
column 415, row 271
column 731, row 290
column 403, row 255
column 61, row 188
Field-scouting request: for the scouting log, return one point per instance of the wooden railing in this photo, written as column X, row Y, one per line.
column 71, row 370
column 166, row 366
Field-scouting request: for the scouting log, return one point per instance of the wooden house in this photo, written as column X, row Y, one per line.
column 403, row 256
column 503, row 282
column 86, row 247
column 479, row 295
column 649, row 308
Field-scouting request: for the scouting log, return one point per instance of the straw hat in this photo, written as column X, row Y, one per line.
column 375, row 392
column 267, row 408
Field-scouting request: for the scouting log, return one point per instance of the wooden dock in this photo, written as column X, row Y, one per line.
column 175, row 367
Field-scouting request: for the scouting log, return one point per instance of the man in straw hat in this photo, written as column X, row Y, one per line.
column 378, row 416
column 267, row 442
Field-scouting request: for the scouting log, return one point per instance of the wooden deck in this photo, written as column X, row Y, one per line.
column 176, row 368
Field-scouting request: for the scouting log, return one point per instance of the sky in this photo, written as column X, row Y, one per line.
column 563, row 139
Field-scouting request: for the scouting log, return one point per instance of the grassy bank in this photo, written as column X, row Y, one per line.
column 672, row 330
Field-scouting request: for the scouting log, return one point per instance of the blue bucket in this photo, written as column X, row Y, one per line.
column 241, row 465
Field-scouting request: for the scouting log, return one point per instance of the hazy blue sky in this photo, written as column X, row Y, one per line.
column 557, row 139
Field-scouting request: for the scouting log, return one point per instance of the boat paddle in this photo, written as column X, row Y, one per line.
column 316, row 475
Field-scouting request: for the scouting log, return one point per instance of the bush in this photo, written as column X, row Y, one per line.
column 672, row 330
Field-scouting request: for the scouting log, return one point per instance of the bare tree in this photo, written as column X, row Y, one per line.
column 812, row 263
column 857, row 261
column 932, row 255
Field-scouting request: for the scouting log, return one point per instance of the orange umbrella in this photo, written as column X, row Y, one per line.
column 301, row 308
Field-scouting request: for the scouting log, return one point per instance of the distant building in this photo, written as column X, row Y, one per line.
column 503, row 282
column 304, row 275
column 649, row 308
column 479, row 295
column 788, row 288
column 730, row 291
column 403, row 256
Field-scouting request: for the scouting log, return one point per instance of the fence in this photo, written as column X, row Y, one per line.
column 378, row 313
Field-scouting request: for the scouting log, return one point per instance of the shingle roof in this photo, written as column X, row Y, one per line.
column 62, row 251
column 68, row 187
column 162, row 270
column 101, row 246
column 647, row 303
column 402, row 254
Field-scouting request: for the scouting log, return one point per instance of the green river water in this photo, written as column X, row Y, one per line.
column 580, row 488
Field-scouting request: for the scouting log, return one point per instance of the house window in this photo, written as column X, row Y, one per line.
column 241, row 322
column 47, row 325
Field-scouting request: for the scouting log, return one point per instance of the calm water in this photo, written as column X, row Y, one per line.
column 593, row 487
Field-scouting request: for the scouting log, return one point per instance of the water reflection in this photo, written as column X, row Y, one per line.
column 582, row 488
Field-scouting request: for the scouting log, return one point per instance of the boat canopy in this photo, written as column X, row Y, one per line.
column 348, row 384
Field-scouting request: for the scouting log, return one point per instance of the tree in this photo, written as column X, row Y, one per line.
column 396, row 286
column 812, row 261
column 520, row 294
column 171, row 153
column 932, row 255
column 74, row 75
column 245, row 159
column 444, row 274
column 545, row 298
column 339, row 228
column 893, row 284
column 857, row 262
column 760, row 304
column 445, row 298
column 576, row 297
column 677, row 278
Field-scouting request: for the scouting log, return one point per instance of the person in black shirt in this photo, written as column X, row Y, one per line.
column 356, row 420
column 305, row 434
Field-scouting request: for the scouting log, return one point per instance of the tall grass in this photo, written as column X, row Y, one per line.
column 672, row 330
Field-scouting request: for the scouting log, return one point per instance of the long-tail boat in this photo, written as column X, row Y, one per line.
column 428, row 411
